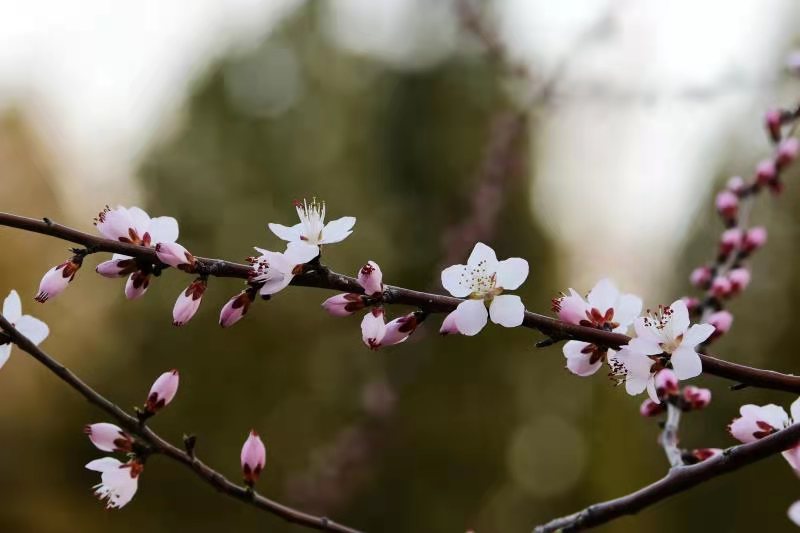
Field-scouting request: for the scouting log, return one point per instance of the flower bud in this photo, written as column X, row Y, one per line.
column 754, row 239
column 722, row 322
column 695, row 398
column 721, row 287
column 108, row 437
column 650, row 408
column 666, row 383
column 449, row 325
column 116, row 268
column 729, row 241
column 188, row 302
column 399, row 329
column 570, row 308
column 766, row 173
column 739, row 278
column 253, row 458
column 55, row 280
column 772, row 121
column 727, row 205
column 137, row 285
column 692, row 304
column 370, row 278
column 235, row 309
column 373, row 328
column 700, row 277
column 787, row 152
column 174, row 255
column 162, row 392
column 736, row 185
column 343, row 304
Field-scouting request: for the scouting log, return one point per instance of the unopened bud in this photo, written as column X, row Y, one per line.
column 700, row 277
column 253, row 458
column 188, row 302
column 343, row 304
column 56, row 280
column 370, row 278
column 162, row 392
column 695, row 398
column 722, row 322
column 666, row 383
column 727, row 205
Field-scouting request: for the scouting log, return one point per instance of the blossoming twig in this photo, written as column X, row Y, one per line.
column 324, row 278
column 161, row 446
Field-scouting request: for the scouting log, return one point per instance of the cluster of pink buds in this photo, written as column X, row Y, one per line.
column 669, row 391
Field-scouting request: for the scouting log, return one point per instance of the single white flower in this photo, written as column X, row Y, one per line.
column 312, row 230
column 119, row 481
column 34, row 329
column 483, row 280
column 275, row 270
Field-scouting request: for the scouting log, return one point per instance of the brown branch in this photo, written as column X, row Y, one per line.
column 433, row 303
column 161, row 446
column 677, row 480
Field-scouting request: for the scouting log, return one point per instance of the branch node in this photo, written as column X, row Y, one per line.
column 189, row 442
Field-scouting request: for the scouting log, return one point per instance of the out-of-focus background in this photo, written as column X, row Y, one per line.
column 602, row 162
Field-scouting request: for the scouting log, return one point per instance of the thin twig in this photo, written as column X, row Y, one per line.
column 669, row 436
column 162, row 447
column 323, row 278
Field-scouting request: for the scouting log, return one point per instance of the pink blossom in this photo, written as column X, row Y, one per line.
column 736, row 184
column 108, row 437
column 253, row 457
column 370, row 278
column 700, row 277
column 787, row 151
column 650, row 408
column 773, row 122
column 722, row 322
column 117, row 268
column 55, row 280
column 727, row 204
column 754, row 239
column 695, row 398
column 162, row 392
column 766, row 172
column 344, row 304
column 236, row 308
column 32, row 328
column 449, row 325
column 730, row 240
column 137, row 285
column 274, row 271
column 188, row 302
column 312, row 231
column 739, row 279
column 721, row 287
column 483, row 280
column 757, row 422
column 373, row 328
column 666, row 384
column 119, row 481
column 691, row 302
column 174, row 255
column 399, row 329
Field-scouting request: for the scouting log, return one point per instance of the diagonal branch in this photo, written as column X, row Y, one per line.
column 161, row 446
column 678, row 479
column 324, row 278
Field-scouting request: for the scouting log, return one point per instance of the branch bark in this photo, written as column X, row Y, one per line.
column 162, row 447
column 324, row 278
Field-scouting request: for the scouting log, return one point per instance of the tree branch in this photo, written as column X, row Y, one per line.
column 677, row 480
column 324, row 278
column 669, row 436
column 161, row 446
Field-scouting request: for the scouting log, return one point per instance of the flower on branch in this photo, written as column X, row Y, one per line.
column 344, row 304
column 119, row 480
column 253, row 457
column 483, row 280
column 174, row 255
column 162, row 392
column 236, row 308
column 759, row 421
column 109, row 437
column 56, row 280
column 370, row 278
column 274, row 271
column 605, row 308
column 312, row 231
column 188, row 302
column 32, row 328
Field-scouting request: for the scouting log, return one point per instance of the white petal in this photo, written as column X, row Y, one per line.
column 276, row 283
column 686, row 363
column 482, row 253
column 457, row 280
column 795, row 410
column 12, row 307
column 139, row 219
column 163, row 229
column 286, row 233
column 5, row 352
column 646, row 333
column 104, row 464
column 628, row 309
column 794, row 513
column 300, row 253
column 471, row 316
column 511, row 273
column 337, row 230
column 578, row 362
column 651, row 389
column 644, row 346
column 635, row 384
column 774, row 415
column 679, row 322
column 33, row 328
column 604, row 295
column 507, row 310
column 697, row 334
column 117, row 257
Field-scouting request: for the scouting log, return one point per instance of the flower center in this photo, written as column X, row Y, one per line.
column 312, row 216
column 482, row 282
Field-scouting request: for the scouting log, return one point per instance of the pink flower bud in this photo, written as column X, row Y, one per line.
column 695, row 398
column 400, row 328
column 666, row 383
column 700, row 277
column 739, row 278
column 701, row 454
column 108, row 437
column 55, row 280
column 571, row 309
column 754, row 239
column 370, row 278
column 174, row 255
column 373, row 328
column 721, row 287
column 727, row 205
column 235, row 309
column 736, row 185
column 766, row 172
column 787, row 152
column 116, row 268
column 449, row 325
column 162, row 392
column 650, row 408
column 137, row 285
column 722, row 322
column 343, row 304
column 188, row 302
column 691, row 303
column 772, row 121
column 253, row 457
column 730, row 240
